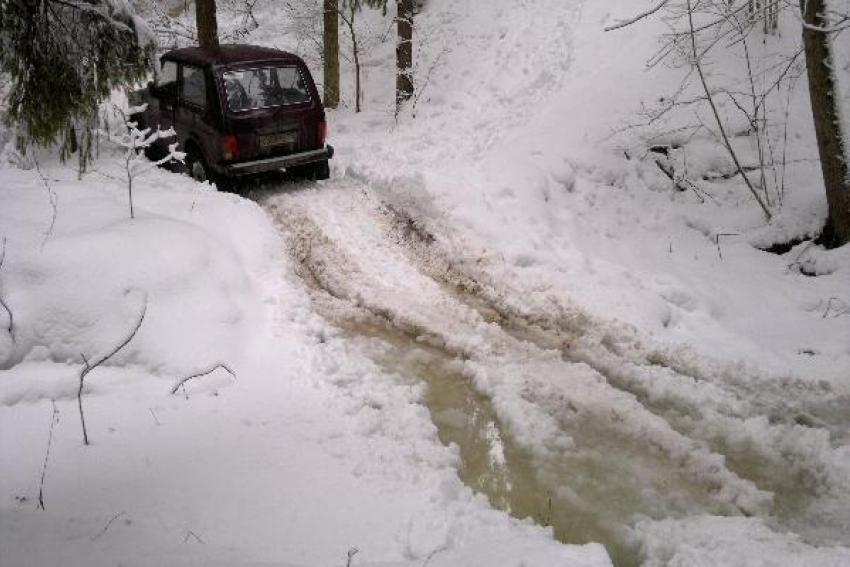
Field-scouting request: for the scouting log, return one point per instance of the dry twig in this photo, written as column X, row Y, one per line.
column 88, row 367
column 183, row 381
column 54, row 417
column 11, row 325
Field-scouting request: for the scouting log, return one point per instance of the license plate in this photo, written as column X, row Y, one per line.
column 277, row 139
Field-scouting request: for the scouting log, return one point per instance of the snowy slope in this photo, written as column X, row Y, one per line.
column 511, row 169
column 511, row 159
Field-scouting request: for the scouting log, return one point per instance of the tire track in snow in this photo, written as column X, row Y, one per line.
column 785, row 434
column 597, row 447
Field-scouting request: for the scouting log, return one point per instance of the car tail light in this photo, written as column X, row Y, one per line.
column 322, row 133
column 229, row 147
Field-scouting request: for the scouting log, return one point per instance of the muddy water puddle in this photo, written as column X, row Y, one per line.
column 587, row 496
column 798, row 486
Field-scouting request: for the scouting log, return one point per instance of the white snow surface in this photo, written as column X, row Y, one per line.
column 510, row 168
column 308, row 452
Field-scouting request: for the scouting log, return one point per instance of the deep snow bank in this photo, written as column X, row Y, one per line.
column 78, row 288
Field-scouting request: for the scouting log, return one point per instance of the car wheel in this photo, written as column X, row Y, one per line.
column 322, row 170
column 315, row 171
column 198, row 169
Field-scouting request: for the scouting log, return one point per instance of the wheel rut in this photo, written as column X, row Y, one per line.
column 557, row 416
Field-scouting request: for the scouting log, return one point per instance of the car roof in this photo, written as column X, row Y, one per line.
column 230, row 54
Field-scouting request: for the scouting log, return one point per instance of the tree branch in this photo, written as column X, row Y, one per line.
column 200, row 374
column 88, row 367
column 717, row 118
column 639, row 17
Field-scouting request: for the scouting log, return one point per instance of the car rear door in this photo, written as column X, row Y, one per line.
column 271, row 109
column 192, row 115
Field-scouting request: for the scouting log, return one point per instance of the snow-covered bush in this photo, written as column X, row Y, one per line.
column 135, row 142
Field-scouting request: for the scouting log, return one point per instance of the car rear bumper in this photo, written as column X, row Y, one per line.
column 281, row 162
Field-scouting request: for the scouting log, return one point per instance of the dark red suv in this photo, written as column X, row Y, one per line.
column 239, row 110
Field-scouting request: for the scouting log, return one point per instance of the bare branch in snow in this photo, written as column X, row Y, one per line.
column 10, row 327
column 88, row 366
column 183, row 381
column 106, row 527
column 54, row 417
column 698, row 65
column 54, row 202
column 717, row 241
column 351, row 553
column 836, row 307
column 194, row 535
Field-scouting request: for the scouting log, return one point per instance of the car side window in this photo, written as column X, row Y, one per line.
column 194, row 89
column 168, row 79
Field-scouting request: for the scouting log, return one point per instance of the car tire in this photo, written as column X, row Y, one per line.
column 197, row 166
column 315, row 171
column 321, row 170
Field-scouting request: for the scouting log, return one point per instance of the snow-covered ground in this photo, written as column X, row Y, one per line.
column 308, row 452
column 679, row 394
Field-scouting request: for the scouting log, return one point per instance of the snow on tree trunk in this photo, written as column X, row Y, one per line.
column 831, row 144
column 404, row 53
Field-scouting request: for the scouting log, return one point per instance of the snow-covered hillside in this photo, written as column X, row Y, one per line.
column 679, row 394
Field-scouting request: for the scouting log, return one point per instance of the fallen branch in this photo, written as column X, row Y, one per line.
column 106, row 527
column 667, row 170
column 181, row 382
column 715, row 175
column 88, row 367
column 717, row 241
column 194, row 535
column 842, row 308
column 431, row 555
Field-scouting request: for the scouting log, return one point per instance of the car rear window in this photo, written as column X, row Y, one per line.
column 194, row 87
column 248, row 89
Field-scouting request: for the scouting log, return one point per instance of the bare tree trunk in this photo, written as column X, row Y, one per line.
column 331, row 53
column 349, row 21
column 404, row 53
column 206, row 23
column 831, row 144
